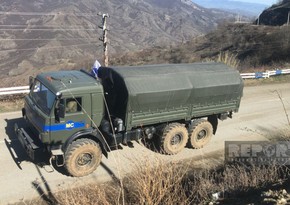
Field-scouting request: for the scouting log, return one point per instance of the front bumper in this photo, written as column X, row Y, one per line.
column 32, row 148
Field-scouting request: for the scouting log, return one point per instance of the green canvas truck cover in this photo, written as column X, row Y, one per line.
column 143, row 95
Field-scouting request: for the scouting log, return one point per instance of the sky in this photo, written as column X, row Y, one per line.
column 268, row 2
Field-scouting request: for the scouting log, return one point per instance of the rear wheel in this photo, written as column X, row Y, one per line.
column 82, row 157
column 200, row 133
column 173, row 138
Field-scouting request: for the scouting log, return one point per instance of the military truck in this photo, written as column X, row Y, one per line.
column 76, row 118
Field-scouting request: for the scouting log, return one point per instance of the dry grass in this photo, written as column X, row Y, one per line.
column 232, row 181
column 156, row 182
column 229, row 59
column 104, row 194
column 243, row 178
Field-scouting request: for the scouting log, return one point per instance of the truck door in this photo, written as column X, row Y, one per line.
column 76, row 118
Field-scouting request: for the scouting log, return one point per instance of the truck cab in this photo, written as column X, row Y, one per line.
column 61, row 107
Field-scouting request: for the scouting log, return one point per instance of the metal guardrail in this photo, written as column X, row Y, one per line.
column 266, row 74
column 257, row 75
column 14, row 90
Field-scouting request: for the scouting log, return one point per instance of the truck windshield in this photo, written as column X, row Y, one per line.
column 42, row 97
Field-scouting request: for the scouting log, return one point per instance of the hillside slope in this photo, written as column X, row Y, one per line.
column 35, row 34
column 251, row 46
column 276, row 15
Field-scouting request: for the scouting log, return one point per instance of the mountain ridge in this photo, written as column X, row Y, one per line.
column 36, row 34
column 239, row 7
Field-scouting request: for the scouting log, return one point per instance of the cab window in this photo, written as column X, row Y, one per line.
column 42, row 97
column 73, row 105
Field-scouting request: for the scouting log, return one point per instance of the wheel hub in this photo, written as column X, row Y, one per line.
column 201, row 135
column 84, row 159
column 176, row 139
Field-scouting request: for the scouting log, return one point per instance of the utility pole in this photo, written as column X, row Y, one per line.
column 288, row 18
column 238, row 19
column 104, row 38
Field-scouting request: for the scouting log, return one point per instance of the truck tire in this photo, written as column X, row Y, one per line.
column 82, row 157
column 173, row 138
column 200, row 133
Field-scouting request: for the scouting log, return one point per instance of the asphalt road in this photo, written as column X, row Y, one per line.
column 261, row 117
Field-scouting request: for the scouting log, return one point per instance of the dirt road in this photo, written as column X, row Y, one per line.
column 261, row 117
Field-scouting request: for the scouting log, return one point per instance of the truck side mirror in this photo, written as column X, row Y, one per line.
column 31, row 81
column 61, row 112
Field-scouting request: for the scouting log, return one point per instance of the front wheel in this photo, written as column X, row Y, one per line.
column 82, row 157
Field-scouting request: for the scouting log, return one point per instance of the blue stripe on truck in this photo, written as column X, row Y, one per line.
column 69, row 125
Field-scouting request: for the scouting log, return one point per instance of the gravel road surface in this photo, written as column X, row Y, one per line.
column 261, row 117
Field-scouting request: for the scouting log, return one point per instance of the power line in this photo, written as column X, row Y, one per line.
column 46, row 39
column 254, row 49
column 46, row 26
column 47, row 48
column 44, row 29
column 45, row 14
column 268, row 46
